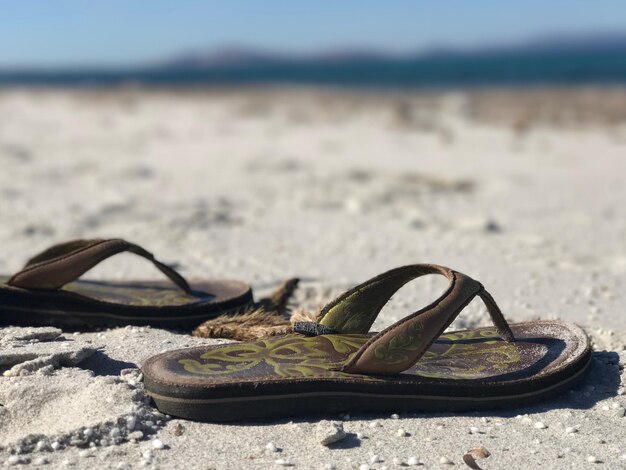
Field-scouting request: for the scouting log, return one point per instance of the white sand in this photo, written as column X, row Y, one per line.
column 334, row 187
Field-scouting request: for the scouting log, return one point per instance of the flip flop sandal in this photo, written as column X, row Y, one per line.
column 336, row 366
column 47, row 292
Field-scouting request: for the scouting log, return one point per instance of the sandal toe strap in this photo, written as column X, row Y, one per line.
column 66, row 262
column 401, row 345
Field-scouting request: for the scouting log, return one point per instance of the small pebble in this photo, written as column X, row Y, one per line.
column 271, row 447
column 131, row 422
column 55, row 445
column 360, row 435
column 396, row 461
column 474, row 430
column 401, row 433
column 135, row 436
column 413, row 461
column 375, row 424
column 40, row 461
column 571, row 430
column 540, row 425
column 283, row 463
column 375, row 459
column 84, row 453
column 88, row 432
column 157, row 444
column 395, row 416
column 592, row 459
column 364, row 467
column 445, row 461
column 13, row 460
column 329, row 432
column 474, row 454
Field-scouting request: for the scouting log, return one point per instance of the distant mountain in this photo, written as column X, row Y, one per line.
column 545, row 45
column 241, row 56
column 614, row 41
column 223, row 57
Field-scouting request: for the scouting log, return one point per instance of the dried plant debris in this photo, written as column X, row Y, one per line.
column 251, row 325
column 267, row 317
column 254, row 324
column 472, row 455
column 278, row 301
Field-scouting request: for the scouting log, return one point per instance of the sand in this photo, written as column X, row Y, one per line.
column 523, row 190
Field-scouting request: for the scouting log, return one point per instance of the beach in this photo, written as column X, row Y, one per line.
column 522, row 189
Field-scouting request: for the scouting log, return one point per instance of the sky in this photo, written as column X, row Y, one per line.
column 61, row 33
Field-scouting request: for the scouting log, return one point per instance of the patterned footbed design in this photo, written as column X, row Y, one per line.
column 477, row 355
column 151, row 293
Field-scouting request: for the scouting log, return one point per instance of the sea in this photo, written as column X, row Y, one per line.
column 436, row 71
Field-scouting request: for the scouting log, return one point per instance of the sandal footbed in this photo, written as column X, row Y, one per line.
column 462, row 369
column 121, row 303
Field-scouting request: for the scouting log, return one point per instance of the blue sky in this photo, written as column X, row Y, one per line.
column 111, row 32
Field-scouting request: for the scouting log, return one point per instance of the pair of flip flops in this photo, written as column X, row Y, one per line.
column 332, row 365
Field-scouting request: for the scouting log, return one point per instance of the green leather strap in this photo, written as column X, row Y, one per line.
column 398, row 347
column 66, row 262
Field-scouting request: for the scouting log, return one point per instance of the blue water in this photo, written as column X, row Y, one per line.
column 437, row 71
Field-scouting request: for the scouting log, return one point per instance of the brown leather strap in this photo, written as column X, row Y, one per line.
column 66, row 262
column 398, row 347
